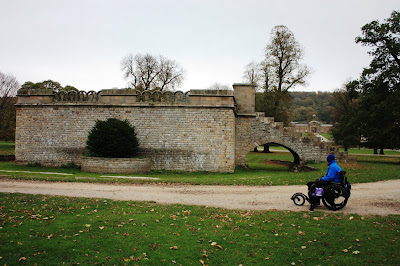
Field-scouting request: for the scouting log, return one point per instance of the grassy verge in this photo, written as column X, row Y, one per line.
column 262, row 172
column 47, row 230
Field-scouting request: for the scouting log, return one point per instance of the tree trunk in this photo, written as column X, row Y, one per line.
column 382, row 153
column 266, row 149
column 375, row 150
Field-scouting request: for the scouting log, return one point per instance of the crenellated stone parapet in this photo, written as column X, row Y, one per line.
column 210, row 98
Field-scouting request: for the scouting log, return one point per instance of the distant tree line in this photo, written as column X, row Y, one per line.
column 304, row 105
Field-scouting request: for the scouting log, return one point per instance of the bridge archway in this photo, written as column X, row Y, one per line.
column 279, row 154
column 296, row 156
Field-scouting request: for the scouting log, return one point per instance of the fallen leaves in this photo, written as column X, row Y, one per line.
column 214, row 244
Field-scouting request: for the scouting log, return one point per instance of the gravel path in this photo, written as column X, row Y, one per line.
column 380, row 198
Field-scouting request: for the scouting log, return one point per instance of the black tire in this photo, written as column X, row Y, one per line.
column 299, row 199
column 339, row 197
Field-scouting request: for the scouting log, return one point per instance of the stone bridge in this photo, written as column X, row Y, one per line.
column 199, row 130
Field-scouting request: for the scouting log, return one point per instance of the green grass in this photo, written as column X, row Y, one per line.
column 47, row 230
column 371, row 151
column 262, row 172
column 326, row 135
column 7, row 148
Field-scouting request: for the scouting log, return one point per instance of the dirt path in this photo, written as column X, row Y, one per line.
column 381, row 198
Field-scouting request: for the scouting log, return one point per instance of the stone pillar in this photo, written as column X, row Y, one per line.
column 245, row 97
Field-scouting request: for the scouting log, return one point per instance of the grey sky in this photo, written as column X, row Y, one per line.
column 81, row 42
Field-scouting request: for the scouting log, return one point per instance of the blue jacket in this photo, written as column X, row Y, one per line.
column 332, row 174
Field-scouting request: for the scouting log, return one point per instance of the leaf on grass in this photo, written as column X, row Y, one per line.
column 301, row 233
column 345, row 250
column 101, row 227
column 356, row 252
column 174, row 247
column 155, row 246
column 88, row 225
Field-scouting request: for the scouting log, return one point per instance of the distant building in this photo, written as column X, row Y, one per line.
column 313, row 126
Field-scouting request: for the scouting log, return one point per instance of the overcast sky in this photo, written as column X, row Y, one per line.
column 81, row 42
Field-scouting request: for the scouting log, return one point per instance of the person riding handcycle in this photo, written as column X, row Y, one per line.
column 316, row 188
column 333, row 189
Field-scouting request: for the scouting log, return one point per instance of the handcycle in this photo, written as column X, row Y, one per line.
column 334, row 195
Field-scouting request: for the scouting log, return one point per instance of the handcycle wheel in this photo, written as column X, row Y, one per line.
column 338, row 195
column 299, row 199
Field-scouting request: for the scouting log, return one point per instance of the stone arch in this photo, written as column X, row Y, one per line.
column 252, row 132
column 281, row 142
column 296, row 156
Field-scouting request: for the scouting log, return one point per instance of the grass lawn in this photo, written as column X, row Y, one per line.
column 326, row 135
column 46, row 230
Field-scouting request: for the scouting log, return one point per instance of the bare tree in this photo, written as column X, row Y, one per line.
column 8, row 85
column 253, row 73
column 8, row 89
column 147, row 72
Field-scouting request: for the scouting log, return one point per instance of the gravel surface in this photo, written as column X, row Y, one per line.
column 380, row 198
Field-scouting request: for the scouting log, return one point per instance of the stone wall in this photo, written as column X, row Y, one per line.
column 195, row 135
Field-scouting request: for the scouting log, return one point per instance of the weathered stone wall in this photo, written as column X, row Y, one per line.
column 182, row 136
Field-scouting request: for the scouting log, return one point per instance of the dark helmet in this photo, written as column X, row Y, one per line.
column 330, row 158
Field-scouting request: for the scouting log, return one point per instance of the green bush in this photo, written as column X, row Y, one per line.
column 112, row 138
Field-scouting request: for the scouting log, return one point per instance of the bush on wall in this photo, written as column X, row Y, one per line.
column 112, row 138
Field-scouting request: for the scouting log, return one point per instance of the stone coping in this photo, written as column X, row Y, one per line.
column 116, row 165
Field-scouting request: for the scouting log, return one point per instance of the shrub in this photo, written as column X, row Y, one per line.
column 112, row 138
